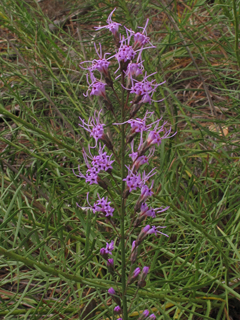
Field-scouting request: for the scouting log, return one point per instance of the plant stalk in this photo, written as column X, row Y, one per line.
column 124, row 300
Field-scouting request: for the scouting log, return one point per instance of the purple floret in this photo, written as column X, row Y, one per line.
column 111, row 25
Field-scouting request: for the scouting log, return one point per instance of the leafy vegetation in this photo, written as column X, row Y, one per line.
column 49, row 247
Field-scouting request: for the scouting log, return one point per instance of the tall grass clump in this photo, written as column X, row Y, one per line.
column 119, row 147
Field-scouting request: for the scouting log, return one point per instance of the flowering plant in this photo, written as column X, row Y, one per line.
column 139, row 138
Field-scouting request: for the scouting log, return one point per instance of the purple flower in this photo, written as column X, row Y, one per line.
column 146, row 229
column 102, row 205
column 111, row 291
column 102, row 251
column 138, row 161
column 145, row 313
column 97, row 87
column 152, row 317
column 145, row 270
column 138, row 125
column 101, row 162
column 119, row 319
column 125, row 52
column 111, row 25
column 133, row 181
column 134, row 69
column 133, row 246
column 155, row 231
column 141, row 38
column 145, row 89
column 117, row 309
column 94, row 126
column 136, row 272
column 101, row 65
column 108, row 250
column 110, row 263
column 109, row 247
column 145, row 211
column 146, row 192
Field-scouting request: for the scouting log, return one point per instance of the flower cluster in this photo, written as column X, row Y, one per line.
column 101, row 162
column 103, row 206
column 143, row 138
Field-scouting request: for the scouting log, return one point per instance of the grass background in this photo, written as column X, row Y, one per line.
column 50, row 266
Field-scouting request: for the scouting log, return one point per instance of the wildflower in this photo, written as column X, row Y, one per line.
column 144, row 90
column 111, row 291
column 110, row 262
column 125, row 52
column 138, row 124
column 144, row 315
column 134, row 69
column 101, row 64
column 134, row 252
column 94, row 126
column 117, row 309
column 139, row 160
column 97, row 87
column 142, row 235
column 110, row 266
column 141, row 38
column 111, row 25
column 108, row 250
column 146, row 192
column 134, row 275
column 155, row 231
column 141, row 282
column 133, row 181
column 109, row 247
column 101, row 162
column 102, row 205
column 152, row 317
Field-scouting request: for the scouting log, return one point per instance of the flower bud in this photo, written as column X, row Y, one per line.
column 111, row 291
column 134, row 253
column 144, row 315
column 142, row 235
column 103, row 253
column 142, row 282
column 134, row 275
column 117, row 309
column 110, row 266
column 152, row 317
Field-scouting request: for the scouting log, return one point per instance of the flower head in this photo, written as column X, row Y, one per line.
column 133, row 181
column 155, row 231
column 145, row 313
column 152, row 317
column 125, row 52
column 97, row 87
column 117, row 309
column 94, row 126
column 100, row 64
column 101, row 162
column 144, row 89
column 111, row 25
column 102, row 205
column 111, row 291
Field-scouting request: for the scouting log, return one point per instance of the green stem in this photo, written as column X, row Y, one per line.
column 124, row 300
column 236, row 31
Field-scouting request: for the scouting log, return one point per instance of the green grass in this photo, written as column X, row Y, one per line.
column 50, row 265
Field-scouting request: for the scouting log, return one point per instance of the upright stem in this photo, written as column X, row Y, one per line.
column 124, row 300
